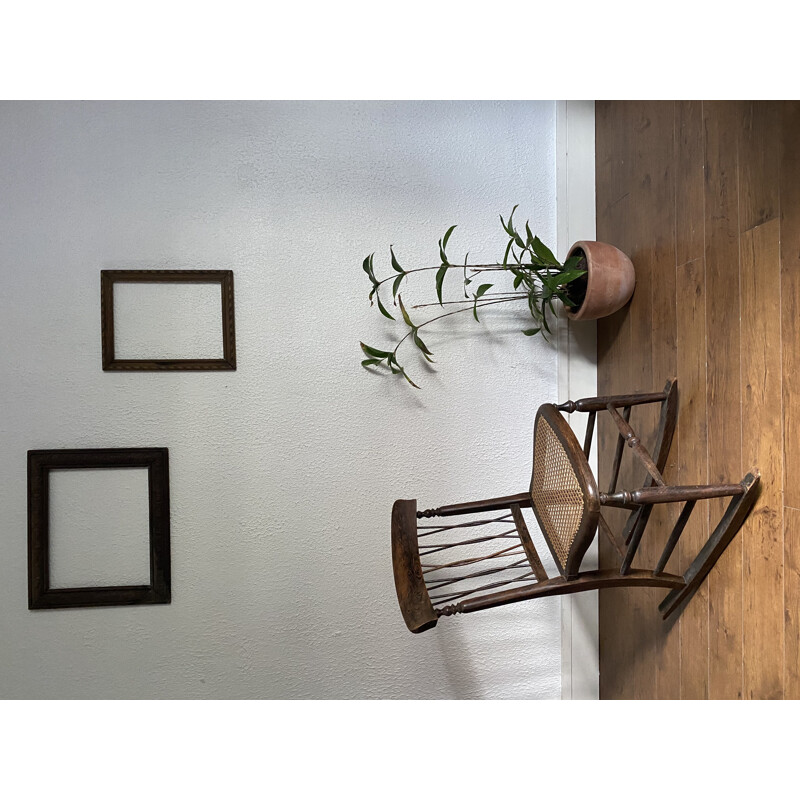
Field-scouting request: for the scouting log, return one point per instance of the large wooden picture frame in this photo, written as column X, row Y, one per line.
column 40, row 464
column 108, row 277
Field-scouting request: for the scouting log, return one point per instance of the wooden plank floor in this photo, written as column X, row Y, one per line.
column 705, row 198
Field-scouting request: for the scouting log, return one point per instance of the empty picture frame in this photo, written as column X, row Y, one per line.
column 40, row 464
column 110, row 277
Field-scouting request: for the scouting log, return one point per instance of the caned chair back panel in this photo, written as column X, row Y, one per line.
column 563, row 490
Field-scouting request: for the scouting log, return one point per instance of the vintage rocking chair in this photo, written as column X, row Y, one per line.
column 567, row 505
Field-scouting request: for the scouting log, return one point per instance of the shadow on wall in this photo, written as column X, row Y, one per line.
column 500, row 654
column 458, row 666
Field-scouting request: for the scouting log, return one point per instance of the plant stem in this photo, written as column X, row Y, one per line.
column 459, row 311
column 514, row 265
column 508, row 295
column 475, row 268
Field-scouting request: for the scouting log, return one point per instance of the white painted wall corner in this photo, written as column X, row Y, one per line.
column 577, row 374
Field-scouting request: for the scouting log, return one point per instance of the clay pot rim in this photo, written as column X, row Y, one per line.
column 575, row 312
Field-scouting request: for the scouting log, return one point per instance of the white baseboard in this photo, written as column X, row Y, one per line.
column 577, row 374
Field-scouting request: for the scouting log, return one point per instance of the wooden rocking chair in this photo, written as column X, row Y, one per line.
column 568, row 507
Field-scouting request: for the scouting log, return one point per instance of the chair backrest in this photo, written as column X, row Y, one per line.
column 565, row 497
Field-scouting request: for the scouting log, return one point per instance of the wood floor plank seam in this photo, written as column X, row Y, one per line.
column 782, row 423
column 732, row 236
column 741, row 399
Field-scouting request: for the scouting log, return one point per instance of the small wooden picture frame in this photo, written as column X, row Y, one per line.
column 40, row 463
column 108, row 277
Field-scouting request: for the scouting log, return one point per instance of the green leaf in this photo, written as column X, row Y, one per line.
column 517, row 281
column 403, row 311
column 396, row 285
column 544, row 317
column 442, row 254
column 548, row 282
column 475, row 309
column 447, row 235
column 510, row 228
column 395, row 266
column 373, row 352
column 482, row 289
column 403, row 372
column 508, row 250
column 533, row 308
column 567, row 276
column 370, row 362
column 543, row 251
column 368, row 268
column 529, row 234
column 419, row 343
column 531, row 331
column 381, row 307
column 422, row 346
column 440, row 273
column 572, row 262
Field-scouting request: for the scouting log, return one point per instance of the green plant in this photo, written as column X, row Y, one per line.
column 538, row 279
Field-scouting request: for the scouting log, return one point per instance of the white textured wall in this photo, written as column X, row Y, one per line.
column 282, row 473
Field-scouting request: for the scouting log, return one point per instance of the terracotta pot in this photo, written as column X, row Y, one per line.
column 610, row 280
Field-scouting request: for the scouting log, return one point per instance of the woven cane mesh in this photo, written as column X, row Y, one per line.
column 556, row 491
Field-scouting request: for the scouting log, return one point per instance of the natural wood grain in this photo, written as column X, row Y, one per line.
column 790, row 339
column 689, row 172
column 762, row 442
column 693, row 466
column 759, row 163
column 735, row 182
column 790, row 300
column 791, row 593
column 649, row 121
column 658, row 226
column 720, row 124
column 686, row 220
column 616, row 223
column 409, row 582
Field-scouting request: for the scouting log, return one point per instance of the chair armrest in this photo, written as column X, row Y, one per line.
column 523, row 500
column 588, row 404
